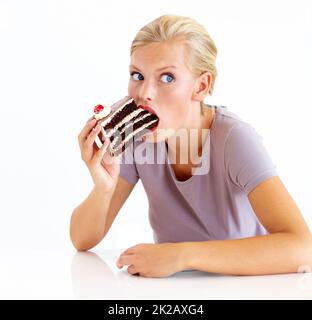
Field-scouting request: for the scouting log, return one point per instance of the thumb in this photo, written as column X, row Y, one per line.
column 117, row 159
column 100, row 153
column 107, row 158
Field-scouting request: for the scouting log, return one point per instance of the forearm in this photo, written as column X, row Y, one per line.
column 269, row 254
column 87, row 223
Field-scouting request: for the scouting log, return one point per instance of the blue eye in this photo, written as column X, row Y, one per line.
column 139, row 76
column 168, row 78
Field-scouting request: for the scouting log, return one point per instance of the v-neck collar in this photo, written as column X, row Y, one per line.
column 204, row 152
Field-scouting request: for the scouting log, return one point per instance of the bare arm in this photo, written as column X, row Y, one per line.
column 91, row 220
column 88, row 220
column 287, row 248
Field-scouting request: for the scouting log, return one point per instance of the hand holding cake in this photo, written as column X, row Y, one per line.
column 103, row 168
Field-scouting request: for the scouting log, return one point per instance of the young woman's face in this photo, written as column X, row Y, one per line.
column 160, row 79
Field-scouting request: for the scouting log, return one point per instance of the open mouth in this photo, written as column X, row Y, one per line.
column 153, row 117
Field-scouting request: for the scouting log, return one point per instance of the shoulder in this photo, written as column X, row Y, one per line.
column 242, row 151
column 237, row 136
column 229, row 128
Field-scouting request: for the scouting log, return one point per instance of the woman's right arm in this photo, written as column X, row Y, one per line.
column 87, row 225
column 88, row 220
column 92, row 220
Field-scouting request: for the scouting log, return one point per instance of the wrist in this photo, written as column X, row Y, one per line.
column 185, row 255
column 102, row 192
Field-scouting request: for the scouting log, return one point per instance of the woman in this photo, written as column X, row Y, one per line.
column 234, row 216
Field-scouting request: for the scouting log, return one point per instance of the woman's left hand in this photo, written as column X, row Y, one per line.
column 152, row 260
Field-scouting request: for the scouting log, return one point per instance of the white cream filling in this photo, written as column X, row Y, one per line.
column 106, row 121
column 126, row 119
column 134, row 133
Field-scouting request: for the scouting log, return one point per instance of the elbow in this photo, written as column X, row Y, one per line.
column 76, row 237
column 80, row 243
column 80, row 246
column 82, row 239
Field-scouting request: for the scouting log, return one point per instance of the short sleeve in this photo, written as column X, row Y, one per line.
column 128, row 169
column 247, row 161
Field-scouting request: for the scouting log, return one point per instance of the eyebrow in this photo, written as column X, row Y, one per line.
column 132, row 66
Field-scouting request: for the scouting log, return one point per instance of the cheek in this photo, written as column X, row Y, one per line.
column 174, row 116
column 178, row 96
column 131, row 89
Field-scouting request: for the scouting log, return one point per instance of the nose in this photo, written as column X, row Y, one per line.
column 147, row 91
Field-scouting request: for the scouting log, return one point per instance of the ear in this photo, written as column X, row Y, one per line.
column 202, row 86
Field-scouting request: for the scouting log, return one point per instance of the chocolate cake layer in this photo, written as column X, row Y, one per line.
column 123, row 132
column 126, row 110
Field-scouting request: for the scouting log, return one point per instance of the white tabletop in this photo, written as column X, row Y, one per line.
column 94, row 275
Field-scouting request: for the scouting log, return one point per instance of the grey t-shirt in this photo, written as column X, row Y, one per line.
column 209, row 206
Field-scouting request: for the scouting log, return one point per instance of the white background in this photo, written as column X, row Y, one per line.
column 60, row 58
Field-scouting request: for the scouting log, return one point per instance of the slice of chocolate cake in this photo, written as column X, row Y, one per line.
column 124, row 122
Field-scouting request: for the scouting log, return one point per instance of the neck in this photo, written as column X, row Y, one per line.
column 188, row 147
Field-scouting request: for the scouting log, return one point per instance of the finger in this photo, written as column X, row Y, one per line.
column 133, row 270
column 108, row 158
column 101, row 138
column 95, row 147
column 130, row 250
column 89, row 146
column 114, row 159
column 90, row 119
column 100, row 153
column 125, row 260
column 92, row 135
column 86, row 130
column 108, row 161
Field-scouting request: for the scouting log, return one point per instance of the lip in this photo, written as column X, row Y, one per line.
column 148, row 108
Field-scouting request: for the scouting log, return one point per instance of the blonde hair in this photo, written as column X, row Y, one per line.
column 200, row 47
